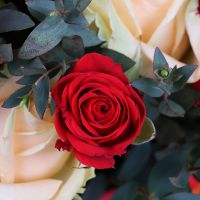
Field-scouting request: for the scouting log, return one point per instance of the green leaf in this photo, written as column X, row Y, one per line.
column 41, row 95
column 73, row 46
column 64, row 5
column 135, row 162
column 81, row 5
column 40, row 8
column 20, row 67
column 43, row 38
column 159, row 60
column 88, row 36
column 169, row 166
column 52, row 106
column 180, row 181
column 182, row 196
column 6, row 54
column 15, row 20
column 171, row 109
column 126, row 192
column 147, row 133
column 184, row 74
column 16, row 98
column 123, row 60
column 148, row 86
column 28, row 80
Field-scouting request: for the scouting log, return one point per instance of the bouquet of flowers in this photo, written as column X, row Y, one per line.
column 100, row 100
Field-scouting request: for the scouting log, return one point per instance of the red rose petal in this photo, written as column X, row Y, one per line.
column 97, row 162
column 94, row 62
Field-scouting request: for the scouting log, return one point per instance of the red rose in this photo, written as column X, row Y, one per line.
column 194, row 185
column 108, row 194
column 98, row 114
column 196, row 85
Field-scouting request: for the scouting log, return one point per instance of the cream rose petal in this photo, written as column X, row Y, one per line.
column 193, row 29
column 98, row 12
column 75, row 181
column 37, row 190
column 167, row 36
column 7, row 122
column 122, row 40
column 36, row 147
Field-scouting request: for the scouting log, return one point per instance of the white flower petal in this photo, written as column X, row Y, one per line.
column 38, row 190
column 6, row 145
column 167, row 36
column 75, row 181
column 122, row 40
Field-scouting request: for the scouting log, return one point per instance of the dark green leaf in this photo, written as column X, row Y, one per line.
column 182, row 196
column 40, row 8
column 16, row 98
column 184, row 74
column 123, row 60
column 52, row 106
column 20, row 67
column 65, row 5
column 88, row 36
column 148, row 86
column 135, row 162
column 73, row 46
column 167, row 167
column 43, row 38
column 28, row 80
column 6, row 54
column 180, row 181
column 13, row 20
column 171, row 109
column 126, row 192
column 159, row 60
column 147, row 133
column 82, row 4
column 41, row 95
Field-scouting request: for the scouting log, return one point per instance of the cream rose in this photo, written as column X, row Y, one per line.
column 30, row 167
column 136, row 27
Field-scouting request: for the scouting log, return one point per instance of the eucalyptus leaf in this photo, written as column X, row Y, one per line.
column 28, row 80
column 13, row 20
column 41, row 95
column 135, row 162
column 171, row 109
column 119, row 58
column 52, row 106
column 126, row 192
column 180, row 181
column 40, row 8
column 21, row 67
column 147, row 133
column 6, row 54
column 73, row 46
column 159, row 60
column 148, row 86
column 64, row 5
column 44, row 37
column 182, row 196
column 169, row 166
column 88, row 36
column 15, row 99
column 184, row 74
column 81, row 5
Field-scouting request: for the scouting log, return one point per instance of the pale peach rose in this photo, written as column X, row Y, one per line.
column 136, row 27
column 193, row 29
column 30, row 166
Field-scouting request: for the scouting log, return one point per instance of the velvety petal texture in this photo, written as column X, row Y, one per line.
column 30, row 166
column 98, row 113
